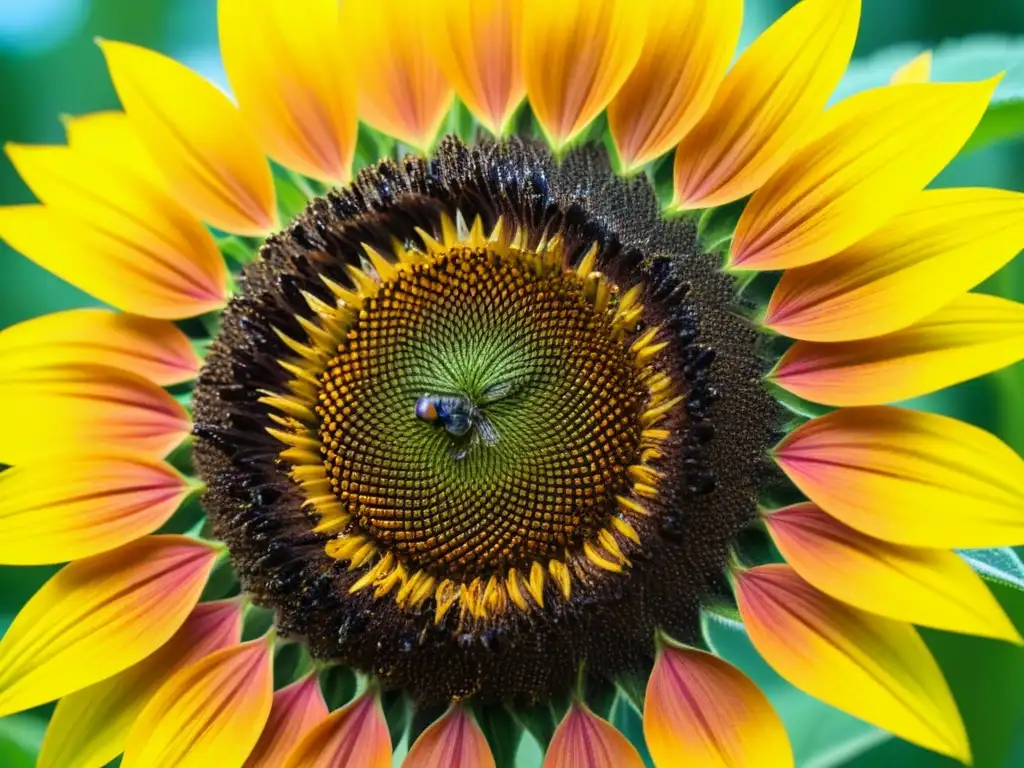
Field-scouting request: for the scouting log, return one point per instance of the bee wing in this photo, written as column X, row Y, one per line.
column 486, row 429
column 461, row 450
column 495, row 392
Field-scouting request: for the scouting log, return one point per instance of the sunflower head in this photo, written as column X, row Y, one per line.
column 439, row 441
column 482, row 432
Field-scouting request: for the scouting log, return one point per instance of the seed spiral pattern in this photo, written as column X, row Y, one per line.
column 567, row 424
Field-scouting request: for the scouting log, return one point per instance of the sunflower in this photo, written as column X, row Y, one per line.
column 397, row 439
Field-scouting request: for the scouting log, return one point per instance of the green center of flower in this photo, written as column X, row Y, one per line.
column 480, row 414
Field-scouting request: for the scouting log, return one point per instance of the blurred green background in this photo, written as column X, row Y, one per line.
column 49, row 65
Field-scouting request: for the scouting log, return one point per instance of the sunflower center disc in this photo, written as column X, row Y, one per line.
column 546, row 402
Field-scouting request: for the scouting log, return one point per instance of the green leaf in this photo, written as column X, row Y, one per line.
column 20, row 738
column 1002, row 565
column 502, row 731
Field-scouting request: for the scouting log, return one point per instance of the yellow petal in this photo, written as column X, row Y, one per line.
column 971, row 336
column 909, row 477
column 198, row 138
column 110, row 137
column 99, row 616
column 296, row 709
column 874, row 668
column 455, row 739
column 685, row 55
column 153, row 349
column 55, row 510
column 294, row 84
column 477, row 44
column 869, row 158
column 576, row 56
column 584, row 740
column 701, row 711
column 404, row 92
column 136, row 275
column 930, row 587
column 947, row 239
column 66, row 408
column 90, row 727
column 208, row 714
column 767, row 104
column 355, row 736
column 917, row 70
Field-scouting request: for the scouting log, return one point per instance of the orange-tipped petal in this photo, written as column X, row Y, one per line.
column 767, row 104
column 296, row 709
column 584, row 740
column 197, row 137
column 870, row 157
column 971, row 336
column 116, row 269
column 477, row 44
column 62, row 409
column 293, row 81
column 917, row 70
column 150, row 236
column 685, row 56
column 701, row 711
column 576, row 55
column 90, row 727
column 55, row 510
column 208, row 714
column 947, row 239
column 874, row 668
column 455, row 739
column 153, row 349
column 930, row 587
column 110, row 137
column 99, row 616
column 355, row 736
column 402, row 91
column 909, row 477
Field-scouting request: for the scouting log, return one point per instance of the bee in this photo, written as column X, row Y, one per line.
column 462, row 418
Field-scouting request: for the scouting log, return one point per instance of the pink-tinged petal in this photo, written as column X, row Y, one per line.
column 971, row 336
column 917, row 70
column 139, row 230
column 104, row 264
column 405, row 93
column 930, row 587
column 908, row 477
column 576, row 56
column 90, row 727
column 455, row 739
column 208, row 714
column 52, row 511
column 767, row 104
column 478, row 44
column 947, row 239
column 296, row 710
column 99, row 616
column 874, row 668
column 153, row 349
column 584, row 740
column 197, row 137
column 64, row 409
column 701, row 711
column 868, row 159
column 294, row 81
column 685, row 55
column 355, row 736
